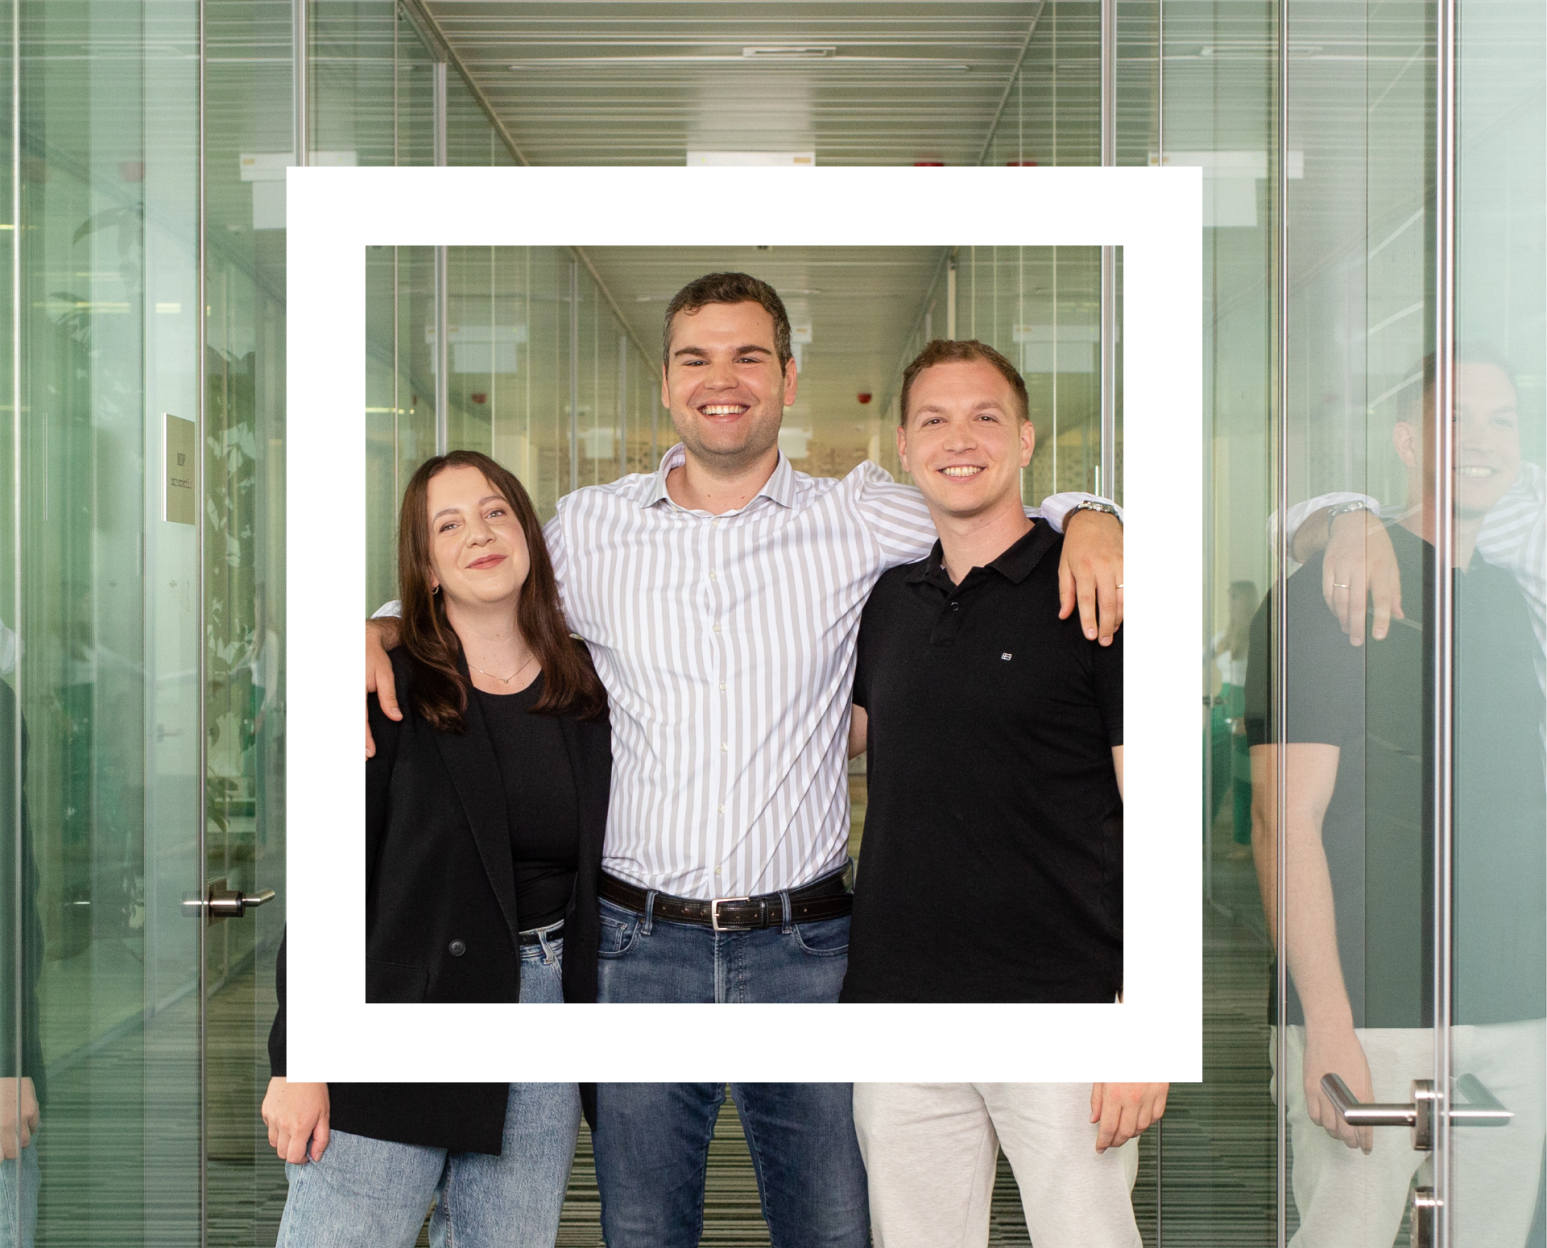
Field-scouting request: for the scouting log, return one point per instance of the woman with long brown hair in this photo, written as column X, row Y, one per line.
column 485, row 807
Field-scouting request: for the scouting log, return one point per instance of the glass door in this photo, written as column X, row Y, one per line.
column 100, row 653
column 1490, row 1180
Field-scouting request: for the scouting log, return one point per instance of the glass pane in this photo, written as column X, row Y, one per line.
column 1357, row 764
column 1221, row 1156
column 107, row 680
column 1500, row 853
column 414, row 101
column 248, row 109
column 352, row 119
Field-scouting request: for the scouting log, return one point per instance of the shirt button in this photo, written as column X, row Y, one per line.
column 717, row 870
column 713, row 576
column 725, row 745
column 722, row 810
column 456, row 948
column 716, row 628
column 722, row 684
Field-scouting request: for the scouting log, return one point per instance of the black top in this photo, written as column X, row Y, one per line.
column 991, row 867
column 1375, row 703
column 540, row 797
column 442, row 918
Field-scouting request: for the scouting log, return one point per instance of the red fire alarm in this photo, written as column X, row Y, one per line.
column 864, row 396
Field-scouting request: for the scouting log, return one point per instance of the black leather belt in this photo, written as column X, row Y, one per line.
column 827, row 898
column 536, row 938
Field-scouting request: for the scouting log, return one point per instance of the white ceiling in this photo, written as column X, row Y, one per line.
column 627, row 82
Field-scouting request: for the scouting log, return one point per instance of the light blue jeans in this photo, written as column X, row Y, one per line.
column 369, row 1193
column 19, row 1198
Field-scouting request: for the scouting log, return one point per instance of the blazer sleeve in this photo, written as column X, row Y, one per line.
column 378, row 776
column 378, row 781
column 277, row 1030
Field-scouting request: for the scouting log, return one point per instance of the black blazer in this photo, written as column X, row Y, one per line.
column 441, row 921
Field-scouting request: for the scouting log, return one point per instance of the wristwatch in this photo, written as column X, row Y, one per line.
column 1094, row 504
column 1342, row 509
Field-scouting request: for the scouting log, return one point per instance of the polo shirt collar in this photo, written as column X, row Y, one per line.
column 1015, row 564
column 780, row 487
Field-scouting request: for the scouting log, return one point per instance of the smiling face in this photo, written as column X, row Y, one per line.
column 965, row 441
column 478, row 553
column 724, row 385
column 1487, row 432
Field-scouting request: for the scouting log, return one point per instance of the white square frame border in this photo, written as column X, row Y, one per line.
column 1153, row 214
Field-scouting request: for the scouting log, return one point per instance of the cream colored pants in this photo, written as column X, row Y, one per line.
column 1349, row 1200
column 930, row 1151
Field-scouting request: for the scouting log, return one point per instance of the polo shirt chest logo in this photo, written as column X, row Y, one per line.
column 1005, row 656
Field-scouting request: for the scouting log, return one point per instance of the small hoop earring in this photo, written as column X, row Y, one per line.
column 434, row 589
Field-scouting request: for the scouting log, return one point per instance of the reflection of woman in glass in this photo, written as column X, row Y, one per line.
column 485, row 808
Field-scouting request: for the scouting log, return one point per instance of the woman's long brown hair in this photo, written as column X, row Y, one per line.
column 570, row 685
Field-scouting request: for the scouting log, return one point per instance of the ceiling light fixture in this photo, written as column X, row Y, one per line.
column 788, row 52
column 749, row 56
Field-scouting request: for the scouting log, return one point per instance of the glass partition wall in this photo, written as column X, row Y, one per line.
column 1372, row 833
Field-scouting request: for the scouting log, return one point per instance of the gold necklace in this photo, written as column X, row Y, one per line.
column 504, row 680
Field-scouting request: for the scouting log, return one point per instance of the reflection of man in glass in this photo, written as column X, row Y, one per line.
column 1360, row 767
column 21, row 1051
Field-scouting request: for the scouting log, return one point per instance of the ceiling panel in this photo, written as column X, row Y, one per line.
column 642, row 83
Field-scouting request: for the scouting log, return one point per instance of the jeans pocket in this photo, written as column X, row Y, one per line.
column 828, row 938
column 619, row 932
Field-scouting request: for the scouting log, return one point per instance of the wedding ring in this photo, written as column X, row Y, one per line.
column 1335, row 585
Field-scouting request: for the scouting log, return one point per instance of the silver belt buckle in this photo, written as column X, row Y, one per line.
column 714, row 911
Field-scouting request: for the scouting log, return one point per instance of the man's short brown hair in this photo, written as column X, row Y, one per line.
column 963, row 351
column 729, row 288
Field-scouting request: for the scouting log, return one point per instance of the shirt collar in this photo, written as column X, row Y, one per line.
column 780, row 487
column 1014, row 565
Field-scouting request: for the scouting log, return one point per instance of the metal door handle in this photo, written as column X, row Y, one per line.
column 220, row 902
column 1482, row 1108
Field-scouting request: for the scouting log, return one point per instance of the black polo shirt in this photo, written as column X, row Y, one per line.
column 991, row 867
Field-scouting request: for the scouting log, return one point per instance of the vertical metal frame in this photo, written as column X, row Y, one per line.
column 950, row 298
column 18, row 1023
column 574, row 375
column 1443, row 453
column 201, row 333
column 300, row 63
column 623, row 345
column 1107, row 473
column 1280, row 616
column 442, row 350
column 442, row 280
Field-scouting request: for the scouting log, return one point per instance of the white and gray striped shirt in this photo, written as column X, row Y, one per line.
column 727, row 645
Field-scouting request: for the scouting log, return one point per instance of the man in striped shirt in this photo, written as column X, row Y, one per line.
column 721, row 598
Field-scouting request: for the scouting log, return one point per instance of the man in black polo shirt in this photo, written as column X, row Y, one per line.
column 991, row 868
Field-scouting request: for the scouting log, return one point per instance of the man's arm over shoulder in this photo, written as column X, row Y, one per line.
column 1058, row 509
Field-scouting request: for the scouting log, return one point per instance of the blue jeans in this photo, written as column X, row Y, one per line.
column 369, row 1193
column 652, row 1139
